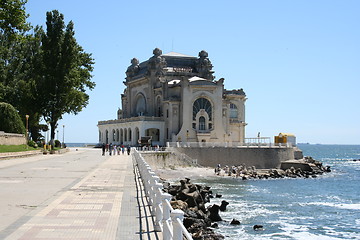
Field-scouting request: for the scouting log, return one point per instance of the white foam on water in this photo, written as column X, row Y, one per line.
column 350, row 206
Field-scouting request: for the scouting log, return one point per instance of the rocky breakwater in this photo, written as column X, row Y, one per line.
column 306, row 167
column 198, row 219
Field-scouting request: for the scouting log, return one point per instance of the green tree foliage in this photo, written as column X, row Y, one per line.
column 66, row 71
column 10, row 120
column 43, row 74
column 19, row 61
column 13, row 17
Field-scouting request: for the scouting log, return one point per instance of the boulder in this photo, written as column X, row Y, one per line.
column 235, row 222
column 223, row 205
column 214, row 213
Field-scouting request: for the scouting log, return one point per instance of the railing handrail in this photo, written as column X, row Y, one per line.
column 167, row 220
column 230, row 144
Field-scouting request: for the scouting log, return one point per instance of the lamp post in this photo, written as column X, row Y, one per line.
column 63, row 142
column 27, row 130
column 47, row 135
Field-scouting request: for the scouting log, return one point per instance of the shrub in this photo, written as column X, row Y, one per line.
column 57, row 143
column 32, row 144
column 10, row 120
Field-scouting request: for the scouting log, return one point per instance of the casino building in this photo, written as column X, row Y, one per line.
column 174, row 98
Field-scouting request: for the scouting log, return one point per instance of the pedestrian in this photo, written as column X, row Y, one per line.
column 110, row 148
column 128, row 150
column 114, row 150
column 103, row 149
column 123, row 149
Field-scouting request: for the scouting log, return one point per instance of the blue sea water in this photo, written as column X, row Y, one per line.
column 326, row 207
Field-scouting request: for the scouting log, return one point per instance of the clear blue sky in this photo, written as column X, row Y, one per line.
column 297, row 61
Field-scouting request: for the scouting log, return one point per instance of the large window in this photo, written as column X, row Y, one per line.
column 202, row 103
column 201, row 123
column 140, row 105
column 233, row 111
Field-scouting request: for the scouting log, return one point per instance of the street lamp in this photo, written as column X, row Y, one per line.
column 47, row 134
column 63, row 136
column 27, row 129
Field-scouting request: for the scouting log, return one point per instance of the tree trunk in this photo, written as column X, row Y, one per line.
column 52, row 133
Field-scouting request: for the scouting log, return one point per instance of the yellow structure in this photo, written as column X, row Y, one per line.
column 285, row 138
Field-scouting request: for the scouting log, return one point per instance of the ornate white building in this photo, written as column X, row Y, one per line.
column 174, row 97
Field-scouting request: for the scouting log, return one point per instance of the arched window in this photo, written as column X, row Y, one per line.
column 140, row 105
column 158, row 109
column 202, row 103
column 113, row 135
column 107, row 137
column 233, row 111
column 121, row 136
column 129, row 136
column 202, row 123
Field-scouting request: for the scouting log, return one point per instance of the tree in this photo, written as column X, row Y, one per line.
column 10, row 120
column 66, row 71
column 19, row 60
column 13, row 17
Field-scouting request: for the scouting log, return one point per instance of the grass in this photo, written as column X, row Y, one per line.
column 15, row 148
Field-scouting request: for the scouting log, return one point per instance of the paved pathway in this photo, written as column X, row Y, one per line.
column 106, row 203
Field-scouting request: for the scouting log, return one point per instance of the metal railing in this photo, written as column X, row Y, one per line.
column 167, row 220
column 228, row 144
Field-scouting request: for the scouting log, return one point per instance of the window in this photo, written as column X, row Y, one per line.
column 202, row 103
column 233, row 111
column 140, row 105
column 158, row 107
column 201, row 123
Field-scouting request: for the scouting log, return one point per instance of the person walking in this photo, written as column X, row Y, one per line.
column 128, row 150
column 103, row 149
column 110, row 148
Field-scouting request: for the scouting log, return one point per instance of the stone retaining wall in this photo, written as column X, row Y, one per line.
column 12, row 138
column 261, row 158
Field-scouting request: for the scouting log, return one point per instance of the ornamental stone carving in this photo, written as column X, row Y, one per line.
column 204, row 66
column 157, row 64
column 133, row 69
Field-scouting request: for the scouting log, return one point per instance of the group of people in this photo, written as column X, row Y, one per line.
column 115, row 149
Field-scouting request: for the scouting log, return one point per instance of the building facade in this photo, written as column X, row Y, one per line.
column 174, row 98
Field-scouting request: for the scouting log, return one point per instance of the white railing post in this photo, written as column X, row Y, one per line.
column 166, row 220
column 176, row 215
column 158, row 208
column 151, row 192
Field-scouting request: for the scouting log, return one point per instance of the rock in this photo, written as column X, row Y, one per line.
column 258, row 227
column 215, row 225
column 223, row 205
column 191, row 199
column 218, row 195
column 178, row 204
column 214, row 213
column 235, row 222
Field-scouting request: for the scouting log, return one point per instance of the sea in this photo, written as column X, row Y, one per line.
column 326, row 207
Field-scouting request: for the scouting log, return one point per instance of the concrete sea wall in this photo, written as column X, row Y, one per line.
column 264, row 157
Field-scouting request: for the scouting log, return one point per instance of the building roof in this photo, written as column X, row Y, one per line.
column 175, row 54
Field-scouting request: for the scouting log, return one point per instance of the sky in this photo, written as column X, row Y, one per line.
column 297, row 61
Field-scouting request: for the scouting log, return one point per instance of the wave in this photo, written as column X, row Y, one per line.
column 349, row 206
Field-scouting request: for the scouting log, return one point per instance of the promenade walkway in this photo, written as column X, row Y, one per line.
column 107, row 203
